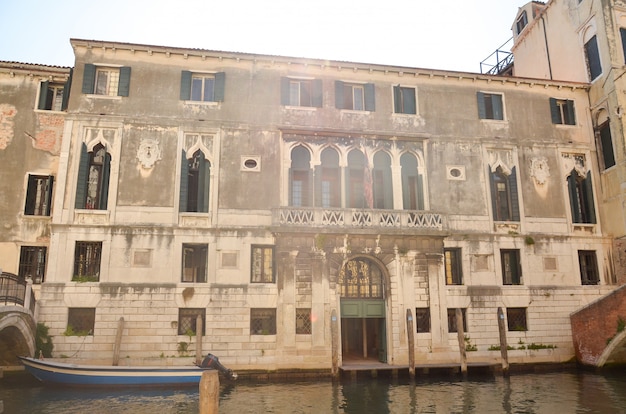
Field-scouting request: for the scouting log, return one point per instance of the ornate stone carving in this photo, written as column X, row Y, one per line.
column 539, row 169
column 148, row 152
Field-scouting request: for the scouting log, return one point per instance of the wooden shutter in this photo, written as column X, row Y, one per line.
column 50, row 184
column 622, row 33
column 370, row 97
column 124, row 86
column 515, row 211
column 316, row 93
column 201, row 183
column 573, row 196
column 66, row 91
column 89, row 78
column 494, row 193
column 83, row 177
column 104, row 189
column 498, row 108
column 31, row 196
column 185, row 85
column 569, row 107
column 220, row 87
column 482, row 112
column 554, row 112
column 606, row 141
column 593, row 58
column 284, row 91
column 339, row 94
column 589, row 199
column 43, row 95
column 397, row 100
column 184, row 173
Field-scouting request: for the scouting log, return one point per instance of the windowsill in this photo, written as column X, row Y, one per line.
column 50, row 111
column 203, row 103
column 566, row 126
column 34, row 217
column 494, row 121
column 401, row 115
column 96, row 96
column 608, row 170
column 301, row 108
column 355, row 111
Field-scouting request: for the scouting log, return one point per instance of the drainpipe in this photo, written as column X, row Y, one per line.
column 545, row 39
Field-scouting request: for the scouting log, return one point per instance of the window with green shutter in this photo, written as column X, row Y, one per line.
column 301, row 92
column 562, row 111
column 490, row 106
column 202, row 87
column 106, row 81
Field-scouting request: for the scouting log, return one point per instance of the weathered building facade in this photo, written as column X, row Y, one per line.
column 296, row 203
column 32, row 105
column 585, row 41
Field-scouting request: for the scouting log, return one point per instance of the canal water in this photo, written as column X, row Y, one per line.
column 551, row 393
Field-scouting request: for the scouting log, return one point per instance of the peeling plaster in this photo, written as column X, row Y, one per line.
column 7, row 114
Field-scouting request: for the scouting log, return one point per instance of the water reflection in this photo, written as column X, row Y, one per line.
column 561, row 392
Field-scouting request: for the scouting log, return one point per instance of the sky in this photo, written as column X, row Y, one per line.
column 451, row 35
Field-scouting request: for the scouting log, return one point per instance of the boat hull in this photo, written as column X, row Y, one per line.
column 92, row 375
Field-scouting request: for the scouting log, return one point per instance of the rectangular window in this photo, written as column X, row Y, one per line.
column 301, row 92
column 606, row 145
column 262, row 264
column 92, row 186
column 622, row 32
column 195, row 257
column 80, row 321
column 303, row 321
column 262, row 321
column 592, row 56
column 52, row 96
column 511, row 267
column 404, row 100
column 355, row 96
column 490, row 106
column 452, row 326
column 106, row 81
column 504, row 198
column 202, row 87
column 188, row 320
column 588, row 267
column 422, row 320
column 521, row 22
column 453, row 265
column 580, row 191
column 87, row 256
column 516, row 319
column 562, row 111
column 33, row 263
column 38, row 195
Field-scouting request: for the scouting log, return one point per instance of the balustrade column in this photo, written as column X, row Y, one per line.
column 28, row 293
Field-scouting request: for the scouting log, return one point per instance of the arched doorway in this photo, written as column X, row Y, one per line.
column 363, row 322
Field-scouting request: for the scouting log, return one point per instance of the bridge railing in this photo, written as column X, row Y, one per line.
column 15, row 290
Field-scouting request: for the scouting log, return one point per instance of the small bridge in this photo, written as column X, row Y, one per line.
column 17, row 323
column 599, row 330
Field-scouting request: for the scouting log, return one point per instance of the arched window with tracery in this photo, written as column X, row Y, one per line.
column 382, row 181
column 328, row 180
column 300, row 183
column 361, row 278
column 412, row 183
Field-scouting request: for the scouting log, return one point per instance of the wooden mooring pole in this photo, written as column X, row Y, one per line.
column 199, row 331
column 411, row 336
column 504, row 352
column 209, row 392
column 334, row 337
column 118, row 342
column 461, row 336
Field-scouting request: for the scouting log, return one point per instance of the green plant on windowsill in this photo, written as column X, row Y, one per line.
column 84, row 278
column 69, row 331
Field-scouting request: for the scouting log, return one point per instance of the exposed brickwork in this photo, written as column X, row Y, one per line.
column 620, row 261
column 7, row 113
column 595, row 324
column 49, row 133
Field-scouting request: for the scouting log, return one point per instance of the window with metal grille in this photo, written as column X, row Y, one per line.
column 422, row 319
column 588, row 267
column 80, row 321
column 453, row 266
column 87, row 257
column 452, row 326
column 303, row 321
column 516, row 319
column 38, row 195
column 187, row 321
column 33, row 263
column 262, row 264
column 262, row 321
column 195, row 258
column 360, row 278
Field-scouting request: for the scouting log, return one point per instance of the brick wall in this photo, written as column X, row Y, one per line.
column 594, row 325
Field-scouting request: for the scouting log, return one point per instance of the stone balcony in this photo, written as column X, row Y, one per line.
column 358, row 220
